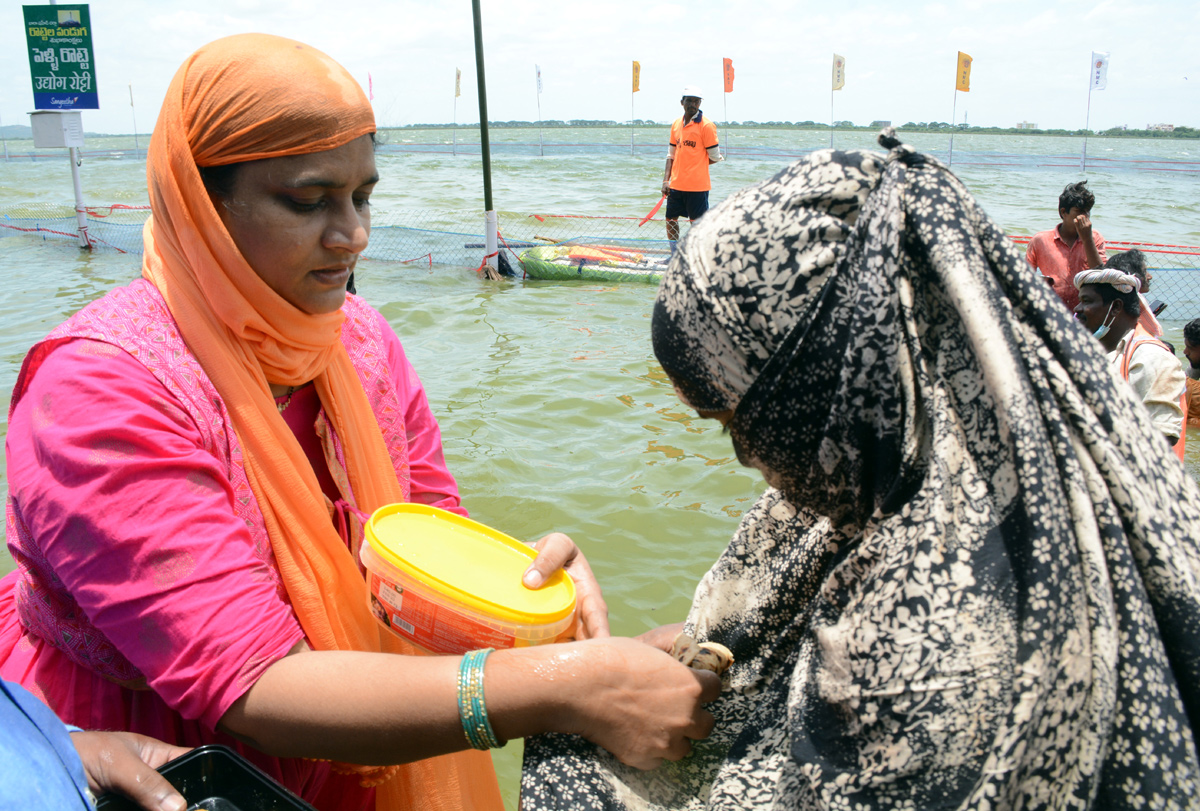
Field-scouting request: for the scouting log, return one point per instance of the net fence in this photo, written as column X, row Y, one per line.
column 556, row 246
column 651, row 143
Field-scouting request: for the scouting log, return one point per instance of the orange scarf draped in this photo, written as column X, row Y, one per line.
column 252, row 97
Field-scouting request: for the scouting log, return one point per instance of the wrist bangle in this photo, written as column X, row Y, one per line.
column 472, row 711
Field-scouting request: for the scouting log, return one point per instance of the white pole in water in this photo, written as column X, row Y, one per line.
column 4, row 140
column 953, row 115
column 133, row 112
column 831, row 119
column 80, row 210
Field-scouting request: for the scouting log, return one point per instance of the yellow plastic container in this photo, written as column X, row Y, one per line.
column 449, row 585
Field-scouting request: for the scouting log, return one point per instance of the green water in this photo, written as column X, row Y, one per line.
column 554, row 413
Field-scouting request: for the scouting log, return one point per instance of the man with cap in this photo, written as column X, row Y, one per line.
column 693, row 147
column 1109, row 308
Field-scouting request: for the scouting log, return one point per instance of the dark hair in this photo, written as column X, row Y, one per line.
column 1132, row 262
column 1191, row 332
column 219, row 180
column 1129, row 301
column 1076, row 195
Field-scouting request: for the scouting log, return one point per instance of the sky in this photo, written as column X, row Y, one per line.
column 1031, row 58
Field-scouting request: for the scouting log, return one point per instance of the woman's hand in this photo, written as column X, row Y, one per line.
column 642, row 705
column 662, row 637
column 557, row 551
column 125, row 762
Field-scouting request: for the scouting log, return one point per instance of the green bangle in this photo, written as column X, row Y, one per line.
column 472, row 711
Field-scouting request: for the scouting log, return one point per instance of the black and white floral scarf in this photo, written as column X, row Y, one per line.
column 978, row 583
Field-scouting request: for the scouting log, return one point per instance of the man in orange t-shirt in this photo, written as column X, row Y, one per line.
column 693, row 147
column 1070, row 247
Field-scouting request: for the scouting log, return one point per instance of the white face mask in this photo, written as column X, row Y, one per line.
column 1106, row 325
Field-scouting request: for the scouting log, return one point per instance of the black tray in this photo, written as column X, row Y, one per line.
column 216, row 778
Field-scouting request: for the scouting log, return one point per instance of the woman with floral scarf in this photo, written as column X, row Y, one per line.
column 974, row 581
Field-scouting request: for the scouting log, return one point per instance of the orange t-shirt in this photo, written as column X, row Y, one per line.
column 689, row 172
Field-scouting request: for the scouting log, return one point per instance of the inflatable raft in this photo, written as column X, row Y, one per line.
column 595, row 262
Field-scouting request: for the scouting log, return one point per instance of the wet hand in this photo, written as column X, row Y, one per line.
column 557, row 551
column 125, row 762
column 644, row 706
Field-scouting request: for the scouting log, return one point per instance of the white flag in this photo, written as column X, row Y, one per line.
column 539, row 78
column 839, row 72
column 1099, row 70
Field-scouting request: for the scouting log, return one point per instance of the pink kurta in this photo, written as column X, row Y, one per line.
column 134, row 520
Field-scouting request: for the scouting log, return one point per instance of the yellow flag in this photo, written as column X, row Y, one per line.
column 964, row 73
column 637, row 75
column 457, row 83
column 839, row 72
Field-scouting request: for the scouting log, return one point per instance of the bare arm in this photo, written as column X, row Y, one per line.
column 666, row 184
column 374, row 709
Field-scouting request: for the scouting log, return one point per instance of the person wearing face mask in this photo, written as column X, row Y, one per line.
column 1110, row 308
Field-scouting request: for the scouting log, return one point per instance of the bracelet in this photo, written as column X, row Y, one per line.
column 472, row 711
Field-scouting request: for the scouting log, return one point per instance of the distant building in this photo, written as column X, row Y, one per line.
column 1026, row 125
column 1161, row 127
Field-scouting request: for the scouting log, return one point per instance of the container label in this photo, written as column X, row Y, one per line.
column 433, row 627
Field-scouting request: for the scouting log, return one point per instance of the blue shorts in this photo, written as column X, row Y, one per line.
column 691, row 203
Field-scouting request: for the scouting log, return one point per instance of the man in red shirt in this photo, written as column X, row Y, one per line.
column 693, row 147
column 1070, row 247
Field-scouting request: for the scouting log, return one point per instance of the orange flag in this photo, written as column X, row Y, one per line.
column 964, row 73
column 637, row 75
column 728, row 64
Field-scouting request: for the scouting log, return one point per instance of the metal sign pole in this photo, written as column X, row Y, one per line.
column 80, row 210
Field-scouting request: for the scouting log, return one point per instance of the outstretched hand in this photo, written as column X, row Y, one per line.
column 645, row 707
column 125, row 762
column 557, row 551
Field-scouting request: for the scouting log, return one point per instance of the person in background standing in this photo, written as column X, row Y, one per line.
column 692, row 149
column 1069, row 247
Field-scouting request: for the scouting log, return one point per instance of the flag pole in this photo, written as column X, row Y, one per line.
column 831, row 119
column 632, row 97
column 133, row 112
column 4, row 140
column 538, row 73
column 953, row 115
column 1087, row 121
column 454, row 126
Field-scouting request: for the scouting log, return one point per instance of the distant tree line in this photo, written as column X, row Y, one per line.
column 911, row 126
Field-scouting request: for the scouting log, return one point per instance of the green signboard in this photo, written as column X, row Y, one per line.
column 61, row 60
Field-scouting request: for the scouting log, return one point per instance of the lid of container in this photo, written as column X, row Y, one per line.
column 468, row 562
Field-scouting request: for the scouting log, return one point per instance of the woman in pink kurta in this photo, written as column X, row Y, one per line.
column 95, row 450
column 187, row 548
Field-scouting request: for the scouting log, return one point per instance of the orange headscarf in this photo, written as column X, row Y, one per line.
column 252, row 97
